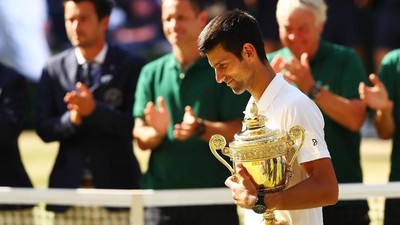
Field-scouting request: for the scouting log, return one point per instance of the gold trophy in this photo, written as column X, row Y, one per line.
column 264, row 153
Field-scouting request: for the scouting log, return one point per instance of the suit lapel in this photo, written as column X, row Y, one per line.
column 71, row 67
column 110, row 65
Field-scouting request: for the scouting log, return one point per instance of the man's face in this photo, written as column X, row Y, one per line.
column 299, row 32
column 181, row 24
column 82, row 25
column 237, row 74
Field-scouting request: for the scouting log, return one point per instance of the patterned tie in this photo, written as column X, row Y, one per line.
column 87, row 74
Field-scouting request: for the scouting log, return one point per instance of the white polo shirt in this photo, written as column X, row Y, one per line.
column 285, row 106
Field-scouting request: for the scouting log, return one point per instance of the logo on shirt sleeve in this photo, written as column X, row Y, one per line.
column 314, row 142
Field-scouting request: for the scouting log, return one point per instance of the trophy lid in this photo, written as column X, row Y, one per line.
column 254, row 129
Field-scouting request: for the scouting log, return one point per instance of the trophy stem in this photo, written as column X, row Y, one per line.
column 269, row 218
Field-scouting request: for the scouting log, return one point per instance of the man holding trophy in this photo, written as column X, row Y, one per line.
column 233, row 45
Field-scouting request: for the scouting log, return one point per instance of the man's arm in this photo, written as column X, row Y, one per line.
column 204, row 129
column 377, row 98
column 226, row 128
column 350, row 113
column 319, row 189
column 146, row 137
column 151, row 130
column 13, row 104
column 384, row 121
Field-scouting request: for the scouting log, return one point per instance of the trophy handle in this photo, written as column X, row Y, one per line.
column 218, row 142
column 296, row 132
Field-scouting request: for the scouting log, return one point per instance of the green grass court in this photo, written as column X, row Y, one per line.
column 38, row 158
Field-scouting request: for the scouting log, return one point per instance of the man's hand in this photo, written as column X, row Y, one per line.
column 295, row 71
column 299, row 73
column 81, row 103
column 244, row 189
column 188, row 127
column 277, row 64
column 375, row 97
column 75, row 118
column 158, row 118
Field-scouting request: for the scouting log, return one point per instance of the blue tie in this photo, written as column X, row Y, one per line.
column 87, row 74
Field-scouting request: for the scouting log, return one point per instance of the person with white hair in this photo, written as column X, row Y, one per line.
column 329, row 74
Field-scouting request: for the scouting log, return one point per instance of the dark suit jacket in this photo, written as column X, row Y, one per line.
column 13, row 111
column 103, row 143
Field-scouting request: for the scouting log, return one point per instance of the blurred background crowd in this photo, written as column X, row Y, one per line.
column 32, row 31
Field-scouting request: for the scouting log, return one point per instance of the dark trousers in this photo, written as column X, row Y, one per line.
column 392, row 212
column 346, row 215
column 192, row 215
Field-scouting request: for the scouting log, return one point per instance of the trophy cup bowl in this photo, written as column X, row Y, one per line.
column 264, row 153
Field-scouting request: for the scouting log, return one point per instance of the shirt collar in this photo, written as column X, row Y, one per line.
column 174, row 63
column 321, row 52
column 269, row 94
column 100, row 57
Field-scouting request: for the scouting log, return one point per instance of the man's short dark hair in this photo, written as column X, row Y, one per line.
column 198, row 5
column 232, row 30
column 103, row 7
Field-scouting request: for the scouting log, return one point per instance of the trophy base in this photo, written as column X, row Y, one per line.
column 270, row 219
column 276, row 222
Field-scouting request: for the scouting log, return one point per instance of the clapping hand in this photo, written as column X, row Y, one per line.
column 295, row 71
column 188, row 127
column 80, row 102
column 375, row 97
column 158, row 118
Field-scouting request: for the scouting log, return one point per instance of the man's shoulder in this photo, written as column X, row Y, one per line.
column 59, row 57
column 390, row 67
column 284, row 52
column 167, row 58
column 8, row 73
column 162, row 61
column 337, row 50
column 120, row 54
column 392, row 57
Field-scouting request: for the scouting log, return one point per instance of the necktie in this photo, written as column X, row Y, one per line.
column 87, row 74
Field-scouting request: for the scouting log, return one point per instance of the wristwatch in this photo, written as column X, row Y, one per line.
column 260, row 206
column 315, row 91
